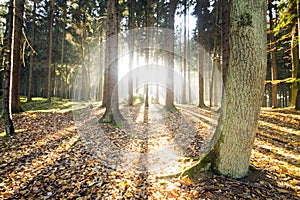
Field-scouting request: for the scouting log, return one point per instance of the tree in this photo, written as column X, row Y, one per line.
column 63, row 49
column 30, row 78
column 7, row 85
column 16, row 56
column 112, row 112
column 170, row 80
column 49, row 80
column 131, row 26
column 273, row 54
column 184, row 53
column 233, row 140
column 203, row 17
column 225, row 38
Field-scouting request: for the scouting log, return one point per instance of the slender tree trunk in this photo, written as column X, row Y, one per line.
column 31, row 65
column 131, row 26
column 7, row 84
column 49, row 79
column 297, row 102
column 241, row 105
column 189, row 64
column 200, row 79
column 170, row 80
column 112, row 113
column 273, row 55
column 295, row 66
column 100, row 95
column 16, row 69
column 61, row 89
column 225, row 38
column 201, row 55
column 184, row 54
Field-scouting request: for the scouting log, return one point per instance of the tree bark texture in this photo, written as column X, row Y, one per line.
column 244, row 88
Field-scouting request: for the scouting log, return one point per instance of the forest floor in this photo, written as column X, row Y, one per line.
column 60, row 154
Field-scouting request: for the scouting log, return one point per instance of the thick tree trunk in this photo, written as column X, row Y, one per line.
column 170, row 80
column 30, row 78
column 17, row 42
column 49, row 78
column 241, row 105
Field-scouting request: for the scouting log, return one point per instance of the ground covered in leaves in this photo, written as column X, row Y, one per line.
column 69, row 155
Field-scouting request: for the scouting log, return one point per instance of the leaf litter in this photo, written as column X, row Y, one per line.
column 51, row 157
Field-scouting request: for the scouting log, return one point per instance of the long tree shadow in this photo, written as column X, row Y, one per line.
column 24, row 147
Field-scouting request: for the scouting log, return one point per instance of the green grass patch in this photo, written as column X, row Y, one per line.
column 39, row 104
column 2, row 134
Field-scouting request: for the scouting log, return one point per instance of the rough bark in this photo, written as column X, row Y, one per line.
column 17, row 42
column 31, row 65
column 233, row 140
column 241, row 105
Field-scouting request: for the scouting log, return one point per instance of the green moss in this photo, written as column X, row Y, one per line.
column 203, row 164
column 245, row 20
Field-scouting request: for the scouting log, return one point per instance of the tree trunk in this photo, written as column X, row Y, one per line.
column 7, row 85
column 112, row 113
column 241, row 105
column 295, row 66
column 61, row 89
column 200, row 79
column 49, row 78
column 131, row 26
column 100, row 95
column 297, row 106
column 170, row 80
column 225, row 38
column 273, row 56
column 184, row 54
column 30, row 78
column 17, row 42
